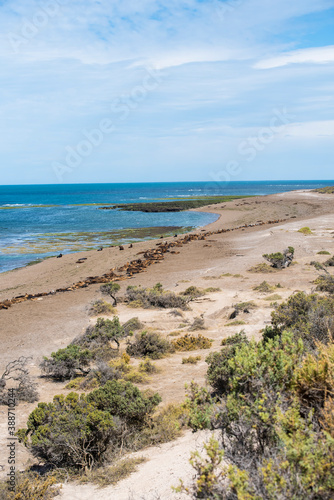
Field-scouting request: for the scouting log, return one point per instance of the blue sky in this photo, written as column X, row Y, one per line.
column 118, row 91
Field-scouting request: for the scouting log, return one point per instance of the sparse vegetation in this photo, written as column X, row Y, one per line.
column 191, row 343
column 192, row 360
column 101, row 307
column 261, row 268
column 197, row 324
column 30, row 486
column 112, row 474
column 237, row 322
column 264, row 287
column 192, row 292
column 323, row 252
column 273, row 297
column 155, row 297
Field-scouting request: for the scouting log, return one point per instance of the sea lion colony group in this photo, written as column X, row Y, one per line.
column 150, row 256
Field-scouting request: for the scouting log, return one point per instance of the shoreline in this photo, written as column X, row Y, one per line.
column 226, row 214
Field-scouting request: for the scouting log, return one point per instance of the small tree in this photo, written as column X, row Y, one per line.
column 280, row 260
column 110, row 289
column 104, row 331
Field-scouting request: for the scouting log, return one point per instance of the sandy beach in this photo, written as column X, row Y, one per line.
column 35, row 328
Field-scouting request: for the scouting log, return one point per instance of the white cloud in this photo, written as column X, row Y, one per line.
column 317, row 55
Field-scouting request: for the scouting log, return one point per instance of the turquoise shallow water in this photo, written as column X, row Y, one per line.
column 43, row 220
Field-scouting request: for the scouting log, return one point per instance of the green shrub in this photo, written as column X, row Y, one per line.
column 124, row 400
column 149, row 344
column 67, row 363
column 191, row 343
column 305, row 230
column 323, row 252
column 101, row 307
column 219, row 370
column 69, row 432
column 310, row 317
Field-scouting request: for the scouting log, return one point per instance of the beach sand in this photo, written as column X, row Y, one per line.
column 37, row 328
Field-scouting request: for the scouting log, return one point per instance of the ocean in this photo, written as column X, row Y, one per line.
column 39, row 221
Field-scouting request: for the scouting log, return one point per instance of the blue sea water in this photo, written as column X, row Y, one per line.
column 38, row 221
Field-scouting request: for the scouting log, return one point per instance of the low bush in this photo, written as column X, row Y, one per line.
column 147, row 366
column 155, row 297
column 77, row 431
column 149, row 344
column 329, row 262
column 191, row 343
column 264, row 287
column 30, row 486
column 101, row 307
column 191, row 360
column 273, row 297
column 261, row 268
column 310, row 317
column 323, row 252
column 305, row 230
column 192, row 292
column 67, row 363
column 325, row 283
column 131, row 326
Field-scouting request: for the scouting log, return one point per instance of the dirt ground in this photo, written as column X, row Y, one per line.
column 37, row 328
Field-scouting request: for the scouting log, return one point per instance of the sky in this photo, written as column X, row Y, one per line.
column 166, row 90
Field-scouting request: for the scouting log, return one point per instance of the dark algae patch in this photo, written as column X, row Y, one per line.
column 172, row 206
column 326, row 190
